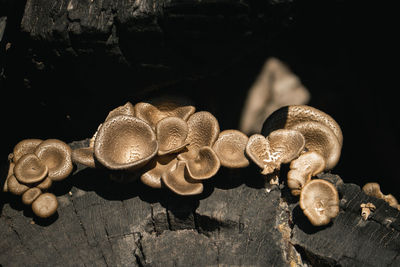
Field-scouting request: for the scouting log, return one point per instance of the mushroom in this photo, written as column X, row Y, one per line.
column 302, row 169
column 10, row 172
column 45, row 205
column 127, row 109
column 374, row 190
column 15, row 187
column 230, row 147
column 178, row 182
column 319, row 201
column 152, row 115
column 366, row 210
column 30, row 195
column 171, row 135
column 45, row 184
column 204, row 166
column 24, row 147
column 125, row 143
column 30, row 169
column 156, row 168
column 56, row 155
column 84, row 156
column 280, row 146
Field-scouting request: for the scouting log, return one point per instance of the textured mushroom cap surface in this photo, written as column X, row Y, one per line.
column 125, row 142
column 30, row 195
column 176, row 180
column 15, row 187
column 127, row 109
column 203, row 130
column 45, row 205
column 319, row 201
column 56, row 155
column 301, row 169
column 204, row 166
column 30, row 169
column 373, row 190
column 156, row 168
column 230, row 147
column 322, row 140
column 171, row 135
column 288, row 116
column 24, row 147
column 84, row 156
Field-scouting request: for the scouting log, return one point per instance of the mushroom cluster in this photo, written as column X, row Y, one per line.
column 34, row 166
column 167, row 145
column 374, row 190
column 310, row 140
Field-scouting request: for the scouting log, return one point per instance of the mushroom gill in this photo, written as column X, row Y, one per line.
column 319, row 201
column 230, row 147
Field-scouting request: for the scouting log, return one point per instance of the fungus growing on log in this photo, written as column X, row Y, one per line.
column 30, row 169
column 366, row 209
column 24, row 147
column 156, row 168
column 30, row 195
column 171, row 135
column 45, row 205
column 230, row 149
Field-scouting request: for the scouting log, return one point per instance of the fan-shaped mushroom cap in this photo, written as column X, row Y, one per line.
column 30, row 195
column 301, row 169
column 15, row 187
column 204, row 166
column 10, row 172
column 127, row 109
column 45, row 184
column 45, row 205
column 373, row 190
column 288, row 116
column 320, row 139
column 155, row 169
column 230, row 147
column 152, row 115
column 125, row 143
column 281, row 146
column 24, row 147
column 84, row 156
column 56, row 155
column 319, row 201
column 176, row 180
column 30, row 169
column 171, row 135
column 203, row 130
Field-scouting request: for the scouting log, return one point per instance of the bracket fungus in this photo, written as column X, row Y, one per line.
column 230, row 149
column 171, row 135
column 366, row 209
column 319, row 201
column 374, row 190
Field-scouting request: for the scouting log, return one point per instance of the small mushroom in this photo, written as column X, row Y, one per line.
column 392, row 201
column 15, row 187
column 366, row 210
column 45, row 205
column 127, row 109
column 176, row 180
column 302, row 169
column 45, row 184
column 125, row 143
column 24, row 147
column 30, row 169
column 156, row 168
column 204, row 166
column 281, row 146
column 84, row 156
column 10, row 172
column 319, row 201
column 374, row 190
column 171, row 135
column 56, row 155
column 230, row 147
column 30, row 195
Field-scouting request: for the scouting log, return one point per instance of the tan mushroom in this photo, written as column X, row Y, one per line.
column 171, row 135
column 127, row 109
column 84, row 156
column 392, row 201
column 125, row 143
column 156, row 168
column 30, row 195
column 24, row 147
column 30, row 169
column 374, row 190
column 45, row 205
column 366, row 209
column 302, row 169
column 319, row 201
column 45, row 184
column 56, row 155
column 10, row 172
column 204, row 166
column 230, row 147
column 178, row 182
column 15, row 187
column 281, row 146
column 152, row 114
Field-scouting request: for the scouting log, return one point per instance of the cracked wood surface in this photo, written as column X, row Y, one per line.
column 234, row 222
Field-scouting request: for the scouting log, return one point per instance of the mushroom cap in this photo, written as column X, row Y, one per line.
column 288, row 116
column 15, row 187
column 30, row 169
column 373, row 190
column 391, row 200
column 319, row 201
column 56, row 155
column 23, row 147
column 203, row 130
column 320, row 139
column 45, row 205
column 178, row 182
column 127, row 109
column 171, row 135
column 30, row 195
column 45, row 184
column 84, row 156
column 10, row 172
column 155, row 169
column 125, row 143
column 230, row 147
column 204, row 166
column 301, row 169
